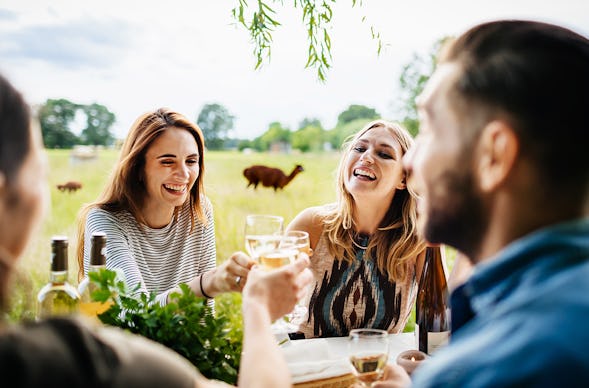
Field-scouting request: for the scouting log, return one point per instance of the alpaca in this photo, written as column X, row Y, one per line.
column 70, row 186
column 269, row 176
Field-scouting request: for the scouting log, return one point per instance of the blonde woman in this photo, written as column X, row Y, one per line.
column 366, row 253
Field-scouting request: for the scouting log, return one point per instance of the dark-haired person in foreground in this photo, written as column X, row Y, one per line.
column 68, row 353
column 501, row 164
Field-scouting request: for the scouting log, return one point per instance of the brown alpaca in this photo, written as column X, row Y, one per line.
column 269, row 176
column 70, row 186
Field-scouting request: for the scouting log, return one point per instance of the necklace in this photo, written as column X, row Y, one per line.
column 364, row 239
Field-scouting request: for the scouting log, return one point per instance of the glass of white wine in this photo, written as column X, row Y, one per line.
column 278, row 251
column 368, row 350
column 261, row 232
column 299, row 239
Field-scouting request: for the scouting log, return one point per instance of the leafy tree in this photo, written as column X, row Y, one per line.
column 340, row 133
column 245, row 143
column 309, row 138
column 276, row 133
column 56, row 117
column 307, row 122
column 414, row 76
column 356, row 112
column 215, row 121
column 316, row 16
column 98, row 122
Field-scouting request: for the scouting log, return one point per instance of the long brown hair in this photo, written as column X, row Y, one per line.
column 126, row 188
column 395, row 244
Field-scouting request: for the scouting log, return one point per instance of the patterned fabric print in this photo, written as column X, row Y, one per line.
column 354, row 295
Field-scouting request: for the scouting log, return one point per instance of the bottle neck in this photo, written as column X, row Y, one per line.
column 96, row 268
column 58, row 276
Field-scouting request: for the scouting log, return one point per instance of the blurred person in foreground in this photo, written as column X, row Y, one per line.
column 69, row 353
column 501, row 165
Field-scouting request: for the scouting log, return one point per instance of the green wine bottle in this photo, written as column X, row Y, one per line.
column 89, row 307
column 58, row 297
column 432, row 311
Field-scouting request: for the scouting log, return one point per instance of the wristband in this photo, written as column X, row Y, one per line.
column 202, row 291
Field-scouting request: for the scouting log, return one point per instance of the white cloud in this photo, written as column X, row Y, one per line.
column 134, row 56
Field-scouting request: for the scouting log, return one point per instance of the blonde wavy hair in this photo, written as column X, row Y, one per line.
column 126, row 189
column 396, row 244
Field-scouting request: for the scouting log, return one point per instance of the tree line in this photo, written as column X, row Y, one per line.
column 58, row 117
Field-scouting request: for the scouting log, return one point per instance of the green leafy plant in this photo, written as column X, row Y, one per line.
column 210, row 340
column 260, row 19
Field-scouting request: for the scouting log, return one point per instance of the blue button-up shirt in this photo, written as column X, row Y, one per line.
column 529, row 317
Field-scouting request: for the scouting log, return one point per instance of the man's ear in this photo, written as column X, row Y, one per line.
column 498, row 151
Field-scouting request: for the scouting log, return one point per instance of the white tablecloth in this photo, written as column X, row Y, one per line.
column 321, row 358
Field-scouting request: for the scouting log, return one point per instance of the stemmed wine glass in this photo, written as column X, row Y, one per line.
column 261, row 232
column 299, row 239
column 368, row 350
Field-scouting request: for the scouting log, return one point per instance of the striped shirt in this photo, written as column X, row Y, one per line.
column 157, row 259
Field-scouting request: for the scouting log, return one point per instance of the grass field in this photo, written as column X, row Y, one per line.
column 224, row 185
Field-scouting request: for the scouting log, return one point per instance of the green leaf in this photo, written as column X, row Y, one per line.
column 211, row 340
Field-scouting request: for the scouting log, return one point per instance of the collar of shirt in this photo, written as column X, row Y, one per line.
column 525, row 260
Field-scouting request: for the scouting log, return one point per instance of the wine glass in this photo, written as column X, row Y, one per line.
column 278, row 251
column 261, row 232
column 300, row 241
column 368, row 350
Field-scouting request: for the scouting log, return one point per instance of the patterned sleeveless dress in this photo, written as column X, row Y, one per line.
column 347, row 296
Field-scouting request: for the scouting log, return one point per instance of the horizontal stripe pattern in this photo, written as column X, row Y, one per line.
column 157, row 259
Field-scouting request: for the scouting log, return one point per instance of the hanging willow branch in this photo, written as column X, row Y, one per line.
column 316, row 16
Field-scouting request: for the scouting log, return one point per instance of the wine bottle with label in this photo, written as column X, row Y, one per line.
column 89, row 307
column 58, row 297
column 432, row 312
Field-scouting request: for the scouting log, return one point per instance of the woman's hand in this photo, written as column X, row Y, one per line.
column 278, row 290
column 232, row 274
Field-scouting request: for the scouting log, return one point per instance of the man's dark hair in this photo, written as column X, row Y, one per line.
column 536, row 77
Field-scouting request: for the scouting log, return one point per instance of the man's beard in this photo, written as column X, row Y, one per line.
column 457, row 217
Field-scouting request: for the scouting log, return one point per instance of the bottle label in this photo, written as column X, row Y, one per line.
column 435, row 340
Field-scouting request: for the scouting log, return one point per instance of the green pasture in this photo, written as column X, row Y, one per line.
column 225, row 185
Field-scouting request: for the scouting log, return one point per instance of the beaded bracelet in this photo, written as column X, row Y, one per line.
column 202, row 291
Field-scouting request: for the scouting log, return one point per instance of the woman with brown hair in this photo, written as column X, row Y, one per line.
column 67, row 352
column 366, row 252
column 158, row 221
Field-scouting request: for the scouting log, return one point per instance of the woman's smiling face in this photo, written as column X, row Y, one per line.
column 171, row 169
column 374, row 164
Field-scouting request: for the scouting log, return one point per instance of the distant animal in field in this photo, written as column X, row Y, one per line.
column 269, row 176
column 71, row 186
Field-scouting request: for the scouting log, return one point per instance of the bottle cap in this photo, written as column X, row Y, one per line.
column 59, row 246
column 98, row 253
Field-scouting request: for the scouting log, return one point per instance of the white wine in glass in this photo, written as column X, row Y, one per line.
column 300, row 240
column 261, row 232
column 279, row 255
column 368, row 351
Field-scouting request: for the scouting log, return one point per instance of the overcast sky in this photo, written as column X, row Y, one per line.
column 135, row 56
